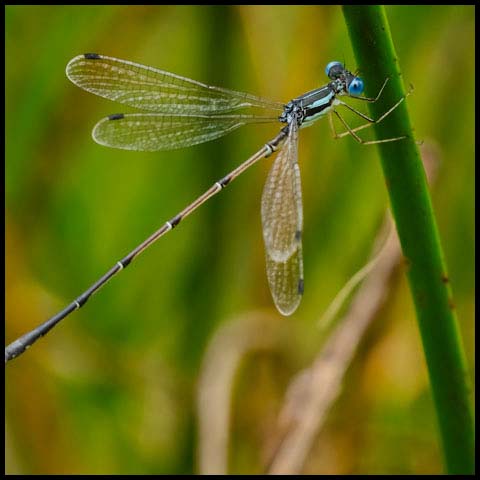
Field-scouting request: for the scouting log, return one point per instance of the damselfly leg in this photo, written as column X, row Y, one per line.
column 370, row 121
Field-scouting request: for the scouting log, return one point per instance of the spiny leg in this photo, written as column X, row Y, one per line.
column 336, row 135
column 371, row 120
column 351, row 131
column 363, row 142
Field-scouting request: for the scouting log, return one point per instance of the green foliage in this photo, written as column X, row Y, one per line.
column 112, row 390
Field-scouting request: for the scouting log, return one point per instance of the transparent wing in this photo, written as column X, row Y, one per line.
column 282, row 220
column 155, row 90
column 153, row 131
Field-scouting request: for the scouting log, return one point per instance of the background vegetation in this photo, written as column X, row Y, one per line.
column 113, row 389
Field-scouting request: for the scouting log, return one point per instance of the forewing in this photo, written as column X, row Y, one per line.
column 155, row 90
column 153, row 131
column 282, row 221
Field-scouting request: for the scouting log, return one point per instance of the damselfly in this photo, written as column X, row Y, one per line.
column 184, row 112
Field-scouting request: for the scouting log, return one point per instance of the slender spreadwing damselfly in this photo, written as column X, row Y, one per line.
column 184, row 112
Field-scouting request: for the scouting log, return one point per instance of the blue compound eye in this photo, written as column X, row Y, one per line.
column 356, row 86
column 333, row 68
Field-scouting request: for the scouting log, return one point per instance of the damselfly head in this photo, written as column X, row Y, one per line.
column 334, row 70
column 355, row 86
column 352, row 84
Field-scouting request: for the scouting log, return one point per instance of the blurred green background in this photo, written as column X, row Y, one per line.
column 113, row 389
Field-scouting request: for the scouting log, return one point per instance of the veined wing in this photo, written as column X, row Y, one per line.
column 155, row 131
column 155, row 90
column 282, row 220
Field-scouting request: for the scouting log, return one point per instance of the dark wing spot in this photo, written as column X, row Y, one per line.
column 300, row 286
column 298, row 235
column 116, row 116
column 92, row 56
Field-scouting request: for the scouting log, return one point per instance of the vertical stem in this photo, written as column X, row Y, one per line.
column 412, row 209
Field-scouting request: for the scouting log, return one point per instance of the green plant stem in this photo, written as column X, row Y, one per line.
column 412, row 209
